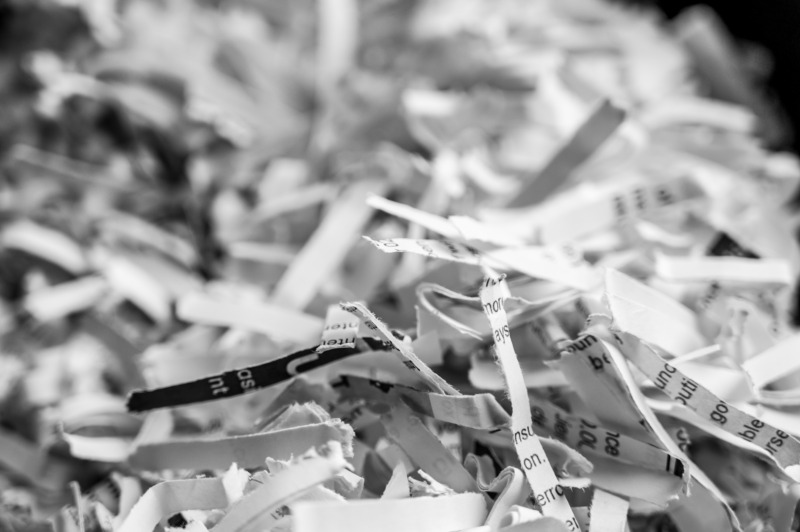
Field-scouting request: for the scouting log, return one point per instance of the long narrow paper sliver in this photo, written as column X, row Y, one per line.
column 546, row 490
column 598, row 127
column 405, row 352
column 782, row 447
column 431, row 222
column 247, row 451
column 328, row 246
column 279, row 323
column 238, row 381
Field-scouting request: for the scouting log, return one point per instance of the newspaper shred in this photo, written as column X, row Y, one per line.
column 389, row 265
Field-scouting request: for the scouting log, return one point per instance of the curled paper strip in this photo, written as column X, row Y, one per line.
column 253, row 510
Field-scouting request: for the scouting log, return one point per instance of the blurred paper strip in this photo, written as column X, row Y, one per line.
column 724, row 270
column 45, row 243
column 337, row 42
column 328, row 246
column 602, row 122
column 279, row 323
column 64, row 299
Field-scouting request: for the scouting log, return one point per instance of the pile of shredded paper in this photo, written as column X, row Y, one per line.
column 386, row 265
